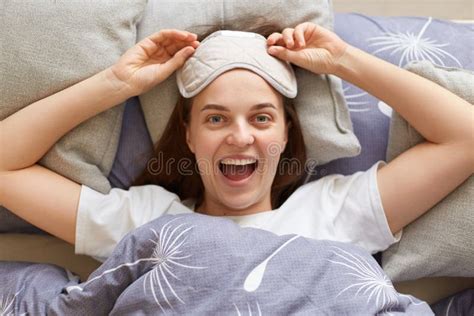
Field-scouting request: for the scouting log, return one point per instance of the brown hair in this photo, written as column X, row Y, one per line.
column 185, row 180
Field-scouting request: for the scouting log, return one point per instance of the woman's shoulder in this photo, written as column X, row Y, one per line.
column 142, row 193
column 334, row 186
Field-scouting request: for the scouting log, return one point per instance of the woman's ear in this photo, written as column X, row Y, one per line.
column 188, row 138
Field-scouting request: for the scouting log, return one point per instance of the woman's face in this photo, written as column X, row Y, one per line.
column 237, row 132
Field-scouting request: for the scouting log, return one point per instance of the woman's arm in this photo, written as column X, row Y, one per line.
column 40, row 196
column 439, row 115
column 29, row 133
column 43, row 198
column 34, row 193
column 436, row 113
column 419, row 178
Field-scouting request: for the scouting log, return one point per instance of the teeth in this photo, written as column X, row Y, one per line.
column 239, row 162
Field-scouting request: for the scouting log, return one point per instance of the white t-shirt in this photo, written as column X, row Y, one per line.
column 335, row 207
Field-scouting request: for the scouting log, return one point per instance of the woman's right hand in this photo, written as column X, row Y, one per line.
column 153, row 59
column 308, row 46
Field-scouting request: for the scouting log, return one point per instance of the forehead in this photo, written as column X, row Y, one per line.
column 239, row 86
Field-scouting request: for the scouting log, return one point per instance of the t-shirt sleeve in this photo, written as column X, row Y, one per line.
column 360, row 216
column 104, row 219
column 341, row 208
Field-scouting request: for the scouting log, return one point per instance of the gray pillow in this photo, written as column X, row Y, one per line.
column 441, row 242
column 48, row 46
column 327, row 128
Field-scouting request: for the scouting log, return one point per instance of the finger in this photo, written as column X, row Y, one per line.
column 288, row 37
column 172, row 34
column 309, row 31
column 164, row 38
column 299, row 34
column 148, row 46
column 176, row 46
column 278, row 40
column 176, row 61
column 273, row 38
column 177, row 34
column 286, row 54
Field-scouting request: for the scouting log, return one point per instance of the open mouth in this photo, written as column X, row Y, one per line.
column 238, row 169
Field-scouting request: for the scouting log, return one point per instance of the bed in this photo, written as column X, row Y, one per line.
column 371, row 119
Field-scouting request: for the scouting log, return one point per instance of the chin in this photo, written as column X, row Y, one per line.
column 242, row 200
column 241, row 203
column 238, row 202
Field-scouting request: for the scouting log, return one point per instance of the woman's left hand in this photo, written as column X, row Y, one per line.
column 308, row 46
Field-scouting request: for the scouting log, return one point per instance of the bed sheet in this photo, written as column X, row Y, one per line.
column 201, row 265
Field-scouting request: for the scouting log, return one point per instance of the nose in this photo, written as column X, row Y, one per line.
column 240, row 135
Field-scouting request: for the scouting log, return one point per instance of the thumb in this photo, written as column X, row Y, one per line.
column 294, row 57
column 176, row 61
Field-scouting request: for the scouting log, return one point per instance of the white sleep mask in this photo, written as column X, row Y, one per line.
column 225, row 50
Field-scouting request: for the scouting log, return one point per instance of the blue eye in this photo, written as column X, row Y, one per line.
column 215, row 119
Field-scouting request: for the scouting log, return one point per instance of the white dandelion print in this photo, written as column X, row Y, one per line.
column 7, row 304
column 256, row 310
column 413, row 47
column 372, row 281
column 167, row 256
column 254, row 279
column 385, row 108
column 353, row 103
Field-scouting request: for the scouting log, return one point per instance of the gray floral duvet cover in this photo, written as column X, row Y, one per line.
column 201, row 265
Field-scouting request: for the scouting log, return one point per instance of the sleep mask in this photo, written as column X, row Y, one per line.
column 225, row 50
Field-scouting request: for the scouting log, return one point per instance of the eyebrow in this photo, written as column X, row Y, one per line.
column 223, row 108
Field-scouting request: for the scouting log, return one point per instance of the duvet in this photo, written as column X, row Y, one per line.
column 201, row 265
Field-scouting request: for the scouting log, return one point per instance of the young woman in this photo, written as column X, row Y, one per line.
column 229, row 125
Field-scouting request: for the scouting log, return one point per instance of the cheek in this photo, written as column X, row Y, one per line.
column 271, row 147
column 205, row 144
column 206, row 147
column 273, row 144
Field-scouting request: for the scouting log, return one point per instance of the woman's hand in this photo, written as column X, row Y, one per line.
column 308, row 46
column 153, row 59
